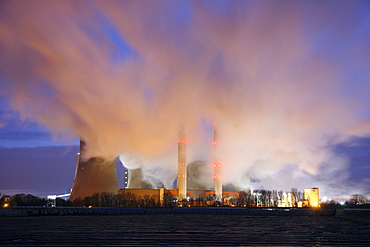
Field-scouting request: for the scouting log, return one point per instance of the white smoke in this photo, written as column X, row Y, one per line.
column 283, row 81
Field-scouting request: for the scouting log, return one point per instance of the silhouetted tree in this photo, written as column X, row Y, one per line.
column 357, row 199
column 95, row 200
column 246, row 198
column 280, row 194
column 27, row 200
column 78, row 202
column 63, row 203
column 263, row 198
column 168, row 200
column 269, row 198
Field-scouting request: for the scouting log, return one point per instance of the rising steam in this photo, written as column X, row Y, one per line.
column 283, row 81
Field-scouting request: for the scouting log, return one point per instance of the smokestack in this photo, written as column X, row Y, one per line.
column 217, row 170
column 96, row 175
column 181, row 175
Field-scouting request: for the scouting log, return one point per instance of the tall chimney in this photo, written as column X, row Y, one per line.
column 181, row 174
column 217, row 169
column 96, row 175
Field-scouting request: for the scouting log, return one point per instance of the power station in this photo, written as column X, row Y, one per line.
column 97, row 175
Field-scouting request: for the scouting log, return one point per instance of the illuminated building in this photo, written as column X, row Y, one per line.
column 312, row 197
column 95, row 175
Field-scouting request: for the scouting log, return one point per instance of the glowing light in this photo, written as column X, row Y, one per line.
column 183, row 141
column 6, row 205
column 82, row 168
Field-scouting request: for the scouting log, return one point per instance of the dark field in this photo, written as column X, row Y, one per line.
column 184, row 230
column 359, row 214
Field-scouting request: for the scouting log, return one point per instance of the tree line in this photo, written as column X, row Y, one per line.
column 263, row 198
column 257, row 198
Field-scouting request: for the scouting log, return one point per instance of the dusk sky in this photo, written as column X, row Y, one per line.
column 287, row 84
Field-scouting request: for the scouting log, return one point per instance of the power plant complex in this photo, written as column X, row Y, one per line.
column 97, row 175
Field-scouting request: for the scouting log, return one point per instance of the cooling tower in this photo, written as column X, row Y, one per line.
column 217, row 170
column 95, row 175
column 181, row 174
column 196, row 175
column 135, row 180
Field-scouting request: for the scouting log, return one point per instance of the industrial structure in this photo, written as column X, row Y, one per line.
column 136, row 180
column 96, row 175
column 217, row 169
column 182, row 170
column 311, row 196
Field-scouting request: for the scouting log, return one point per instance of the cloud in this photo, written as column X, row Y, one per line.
column 283, row 81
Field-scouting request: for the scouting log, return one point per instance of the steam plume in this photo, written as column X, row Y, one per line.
column 283, row 81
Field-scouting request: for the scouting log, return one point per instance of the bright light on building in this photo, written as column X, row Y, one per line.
column 6, row 205
column 312, row 196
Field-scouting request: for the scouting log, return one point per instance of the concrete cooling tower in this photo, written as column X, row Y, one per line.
column 135, row 180
column 95, row 175
column 196, row 175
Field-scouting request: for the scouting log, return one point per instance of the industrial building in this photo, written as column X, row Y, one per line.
column 312, row 197
column 188, row 187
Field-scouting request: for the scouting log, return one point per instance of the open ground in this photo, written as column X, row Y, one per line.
column 184, row 230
